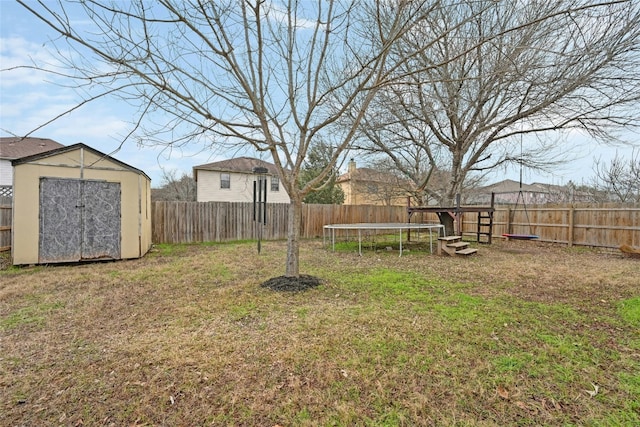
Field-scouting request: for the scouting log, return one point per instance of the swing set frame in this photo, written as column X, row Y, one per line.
column 514, row 236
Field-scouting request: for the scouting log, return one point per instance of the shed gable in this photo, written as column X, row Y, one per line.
column 111, row 207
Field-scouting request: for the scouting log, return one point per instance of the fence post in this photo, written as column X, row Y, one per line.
column 571, row 228
column 508, row 224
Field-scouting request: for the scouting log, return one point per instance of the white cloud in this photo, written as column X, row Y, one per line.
column 17, row 55
column 29, row 98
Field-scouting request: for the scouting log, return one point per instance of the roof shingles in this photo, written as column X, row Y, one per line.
column 12, row 148
column 240, row 165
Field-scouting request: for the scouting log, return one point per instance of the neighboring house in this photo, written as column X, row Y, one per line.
column 508, row 192
column 367, row 186
column 12, row 148
column 232, row 181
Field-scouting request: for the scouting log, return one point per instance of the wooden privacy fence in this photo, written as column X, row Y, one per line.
column 189, row 222
column 5, row 227
column 583, row 225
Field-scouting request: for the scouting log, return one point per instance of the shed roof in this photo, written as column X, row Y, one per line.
column 69, row 148
column 12, row 148
column 239, row 165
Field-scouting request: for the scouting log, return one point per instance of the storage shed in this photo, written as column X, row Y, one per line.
column 76, row 204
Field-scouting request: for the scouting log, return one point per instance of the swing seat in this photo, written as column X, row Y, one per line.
column 520, row 236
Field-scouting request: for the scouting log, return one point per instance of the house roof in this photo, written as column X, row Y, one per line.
column 238, row 165
column 372, row 175
column 69, row 148
column 12, row 148
column 510, row 186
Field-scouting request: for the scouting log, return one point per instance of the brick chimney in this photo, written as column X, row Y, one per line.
column 352, row 168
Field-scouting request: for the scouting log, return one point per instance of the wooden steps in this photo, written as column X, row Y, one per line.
column 466, row 251
column 454, row 246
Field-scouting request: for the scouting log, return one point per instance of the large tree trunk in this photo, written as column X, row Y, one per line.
column 293, row 238
column 447, row 221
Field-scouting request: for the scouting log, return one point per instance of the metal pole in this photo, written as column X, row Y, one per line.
column 260, row 202
column 259, row 219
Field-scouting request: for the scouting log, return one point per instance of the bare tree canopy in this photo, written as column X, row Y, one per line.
column 273, row 76
column 277, row 76
column 174, row 187
column 481, row 74
column 618, row 180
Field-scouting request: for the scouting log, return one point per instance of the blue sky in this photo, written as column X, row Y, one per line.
column 29, row 98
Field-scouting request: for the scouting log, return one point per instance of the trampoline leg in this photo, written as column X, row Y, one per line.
column 333, row 239
column 430, row 242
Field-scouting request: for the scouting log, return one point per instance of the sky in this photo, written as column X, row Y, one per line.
column 29, row 99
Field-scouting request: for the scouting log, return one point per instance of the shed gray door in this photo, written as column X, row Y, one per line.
column 79, row 219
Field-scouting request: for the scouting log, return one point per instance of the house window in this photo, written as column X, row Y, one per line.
column 275, row 183
column 225, row 180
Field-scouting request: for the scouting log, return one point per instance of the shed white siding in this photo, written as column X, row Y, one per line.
column 6, row 172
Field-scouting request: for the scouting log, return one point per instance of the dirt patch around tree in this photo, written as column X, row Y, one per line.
column 292, row 284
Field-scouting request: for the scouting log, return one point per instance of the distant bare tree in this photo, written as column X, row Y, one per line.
column 382, row 183
column 174, row 188
column 489, row 72
column 618, row 180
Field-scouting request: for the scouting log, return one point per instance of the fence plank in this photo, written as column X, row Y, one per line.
column 5, row 227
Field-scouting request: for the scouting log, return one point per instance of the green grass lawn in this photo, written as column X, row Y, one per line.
column 522, row 333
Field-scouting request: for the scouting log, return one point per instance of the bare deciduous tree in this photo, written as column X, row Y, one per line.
column 174, row 188
column 382, row 182
column 278, row 76
column 618, row 180
column 273, row 76
column 489, row 72
column 389, row 131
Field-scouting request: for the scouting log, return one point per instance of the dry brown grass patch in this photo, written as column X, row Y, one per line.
column 187, row 336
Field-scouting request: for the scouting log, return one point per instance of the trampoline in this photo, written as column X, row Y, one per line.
column 395, row 226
